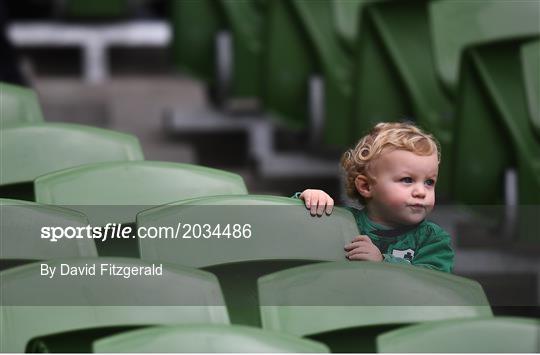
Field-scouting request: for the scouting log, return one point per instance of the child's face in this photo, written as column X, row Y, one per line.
column 403, row 192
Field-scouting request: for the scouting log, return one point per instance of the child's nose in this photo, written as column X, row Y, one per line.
column 419, row 191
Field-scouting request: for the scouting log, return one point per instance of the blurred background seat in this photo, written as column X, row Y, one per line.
column 19, row 105
column 31, row 150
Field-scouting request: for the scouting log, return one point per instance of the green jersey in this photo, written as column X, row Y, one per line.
column 424, row 244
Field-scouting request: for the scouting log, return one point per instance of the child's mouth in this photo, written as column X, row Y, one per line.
column 417, row 206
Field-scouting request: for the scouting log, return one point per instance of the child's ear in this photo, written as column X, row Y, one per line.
column 363, row 186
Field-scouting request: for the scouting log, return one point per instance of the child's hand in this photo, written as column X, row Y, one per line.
column 317, row 201
column 362, row 248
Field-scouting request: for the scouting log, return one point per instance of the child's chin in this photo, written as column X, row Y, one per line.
column 410, row 220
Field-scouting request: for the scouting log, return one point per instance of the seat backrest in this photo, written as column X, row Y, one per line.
column 19, row 105
column 268, row 227
column 34, row 305
column 317, row 17
column 194, row 25
column 32, row 150
column 134, row 186
column 494, row 120
column 22, row 227
column 246, row 18
column 482, row 335
column 530, row 58
column 457, row 24
column 324, row 297
column 347, row 19
column 206, row 339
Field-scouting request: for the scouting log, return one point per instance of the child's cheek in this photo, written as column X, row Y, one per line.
column 396, row 200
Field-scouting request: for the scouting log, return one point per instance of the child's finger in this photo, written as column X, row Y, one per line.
column 355, row 245
column 321, row 207
column 361, row 237
column 357, row 251
column 359, row 257
column 329, row 207
column 351, row 246
column 307, row 199
column 313, row 208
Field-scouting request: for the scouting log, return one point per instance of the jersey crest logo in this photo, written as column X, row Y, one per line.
column 404, row 254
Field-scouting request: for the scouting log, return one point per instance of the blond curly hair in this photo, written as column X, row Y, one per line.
column 383, row 138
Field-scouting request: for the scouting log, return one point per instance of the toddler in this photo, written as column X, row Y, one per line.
column 392, row 172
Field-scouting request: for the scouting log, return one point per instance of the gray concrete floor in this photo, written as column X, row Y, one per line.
column 131, row 105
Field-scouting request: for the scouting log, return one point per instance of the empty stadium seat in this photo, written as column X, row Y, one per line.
column 531, row 73
column 245, row 21
column 458, row 24
column 194, row 25
column 395, row 76
column 408, row 59
column 36, row 306
column 493, row 117
column 282, row 234
column 29, row 151
column 206, row 339
column 288, row 67
column 494, row 122
column 482, row 335
column 133, row 185
column 308, row 39
column 19, row 105
column 346, row 304
column 21, row 227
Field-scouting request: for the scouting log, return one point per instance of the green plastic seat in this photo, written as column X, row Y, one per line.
column 531, row 73
column 36, row 306
column 133, row 186
column 246, row 21
column 348, row 19
column 405, row 47
column 19, row 105
column 493, row 116
column 346, row 304
column 396, row 78
column 282, row 235
column 306, row 38
column 289, row 62
column 206, row 339
column 494, row 121
column 457, row 24
column 32, row 150
column 194, row 25
column 483, row 335
column 21, row 227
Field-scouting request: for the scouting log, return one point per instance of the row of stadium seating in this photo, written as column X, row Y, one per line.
column 262, row 281
column 466, row 71
column 317, row 302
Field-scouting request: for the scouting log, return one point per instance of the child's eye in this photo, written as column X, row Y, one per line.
column 430, row 182
column 407, row 180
